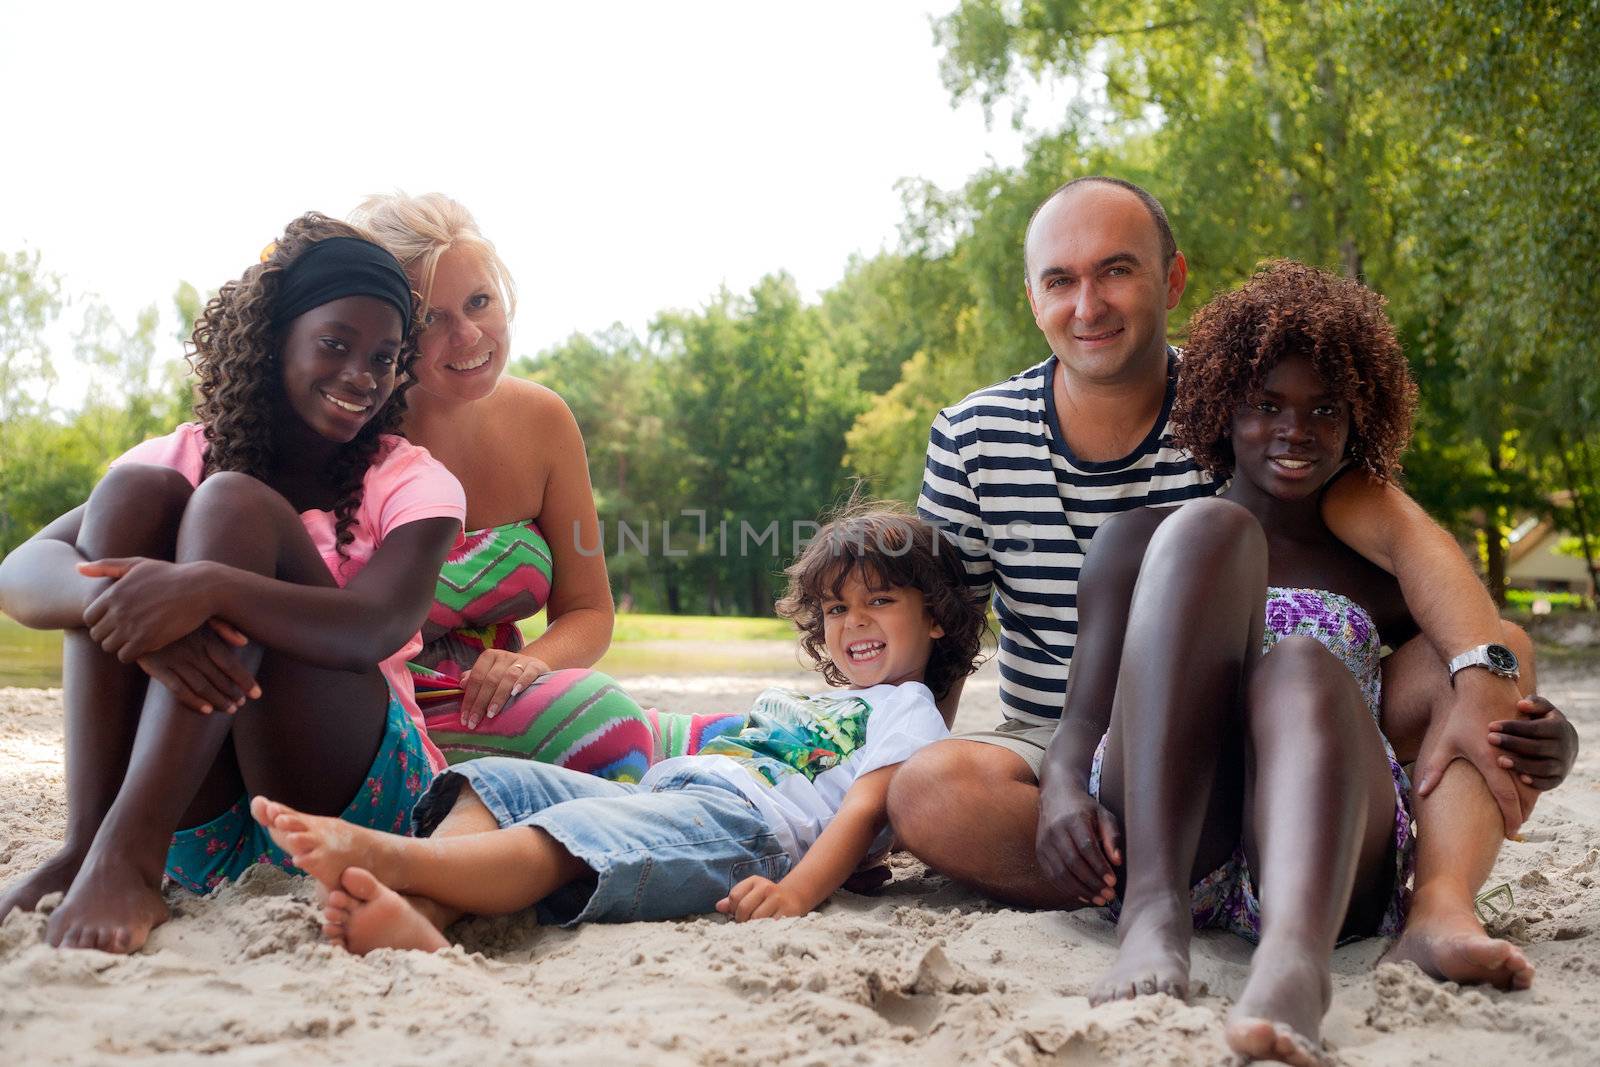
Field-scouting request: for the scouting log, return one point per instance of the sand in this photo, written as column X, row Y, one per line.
column 923, row 971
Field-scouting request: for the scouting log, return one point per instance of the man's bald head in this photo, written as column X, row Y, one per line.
column 1158, row 216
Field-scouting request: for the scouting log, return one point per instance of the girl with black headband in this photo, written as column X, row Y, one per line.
column 240, row 597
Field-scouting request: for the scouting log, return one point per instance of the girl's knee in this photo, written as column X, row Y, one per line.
column 144, row 486
column 1211, row 529
column 1300, row 678
column 233, row 489
column 135, row 510
column 1115, row 555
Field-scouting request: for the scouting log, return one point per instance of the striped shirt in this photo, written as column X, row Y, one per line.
column 1022, row 509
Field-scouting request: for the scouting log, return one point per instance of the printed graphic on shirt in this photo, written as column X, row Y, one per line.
column 792, row 733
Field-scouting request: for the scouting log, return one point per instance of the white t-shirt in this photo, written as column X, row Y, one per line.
column 799, row 755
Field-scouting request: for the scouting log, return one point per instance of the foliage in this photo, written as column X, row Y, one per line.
column 50, row 460
column 1445, row 151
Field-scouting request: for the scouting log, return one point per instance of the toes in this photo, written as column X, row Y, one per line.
column 1296, row 1049
column 290, row 822
column 1489, row 952
column 341, row 901
column 261, row 810
column 1251, row 1038
column 361, row 884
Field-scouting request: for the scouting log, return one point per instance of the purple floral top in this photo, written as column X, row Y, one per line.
column 1339, row 623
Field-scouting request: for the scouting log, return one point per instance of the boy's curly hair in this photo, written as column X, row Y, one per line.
column 239, row 396
column 1288, row 309
column 889, row 546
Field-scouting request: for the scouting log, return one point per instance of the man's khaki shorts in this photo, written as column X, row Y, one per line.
column 1023, row 738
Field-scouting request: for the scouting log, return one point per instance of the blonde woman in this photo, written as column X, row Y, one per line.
column 518, row 453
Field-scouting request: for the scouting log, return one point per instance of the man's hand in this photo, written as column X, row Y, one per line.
column 1078, row 844
column 1480, row 699
column 761, row 898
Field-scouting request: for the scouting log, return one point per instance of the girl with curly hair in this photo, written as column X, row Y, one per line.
column 240, row 596
column 765, row 822
column 1224, row 709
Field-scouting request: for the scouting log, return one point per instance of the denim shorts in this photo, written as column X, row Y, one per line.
column 660, row 853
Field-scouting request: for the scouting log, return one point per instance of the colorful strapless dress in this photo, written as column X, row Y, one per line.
column 1226, row 897
column 577, row 718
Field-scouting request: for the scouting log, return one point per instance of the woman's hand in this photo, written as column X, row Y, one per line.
column 493, row 681
column 201, row 670
column 150, row 605
column 1078, row 844
column 761, row 898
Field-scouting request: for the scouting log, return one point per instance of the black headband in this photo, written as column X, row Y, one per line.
column 338, row 267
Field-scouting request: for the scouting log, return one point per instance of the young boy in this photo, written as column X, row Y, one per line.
column 766, row 822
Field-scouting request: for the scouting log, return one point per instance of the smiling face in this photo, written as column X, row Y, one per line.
column 878, row 636
column 1289, row 437
column 463, row 348
column 338, row 363
column 1098, row 283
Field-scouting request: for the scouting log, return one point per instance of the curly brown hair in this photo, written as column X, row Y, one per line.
column 1289, row 309
column 239, row 395
column 889, row 547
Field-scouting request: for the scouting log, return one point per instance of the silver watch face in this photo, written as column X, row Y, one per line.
column 1501, row 659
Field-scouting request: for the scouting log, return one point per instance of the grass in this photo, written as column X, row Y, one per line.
column 641, row 644
column 633, row 628
column 29, row 658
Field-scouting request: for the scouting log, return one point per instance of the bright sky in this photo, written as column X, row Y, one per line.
column 626, row 157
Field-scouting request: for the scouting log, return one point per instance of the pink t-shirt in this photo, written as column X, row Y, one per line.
column 403, row 484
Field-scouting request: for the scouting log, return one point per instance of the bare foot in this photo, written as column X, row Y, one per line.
column 1449, row 943
column 364, row 914
column 54, row 875
column 1152, row 953
column 1279, row 1014
column 320, row 845
column 111, row 907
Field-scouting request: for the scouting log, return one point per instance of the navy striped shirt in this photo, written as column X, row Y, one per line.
column 1022, row 509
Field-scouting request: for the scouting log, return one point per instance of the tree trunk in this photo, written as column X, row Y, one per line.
column 1579, row 511
column 758, row 592
column 1495, row 557
column 1333, row 152
column 1494, row 539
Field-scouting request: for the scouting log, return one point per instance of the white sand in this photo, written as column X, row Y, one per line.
column 923, row 972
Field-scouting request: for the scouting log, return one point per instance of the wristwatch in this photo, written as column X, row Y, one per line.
column 1497, row 658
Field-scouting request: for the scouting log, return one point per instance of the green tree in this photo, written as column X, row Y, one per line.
column 30, row 300
column 1446, row 152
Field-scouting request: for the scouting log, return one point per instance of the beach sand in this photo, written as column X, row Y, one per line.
column 924, row 971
